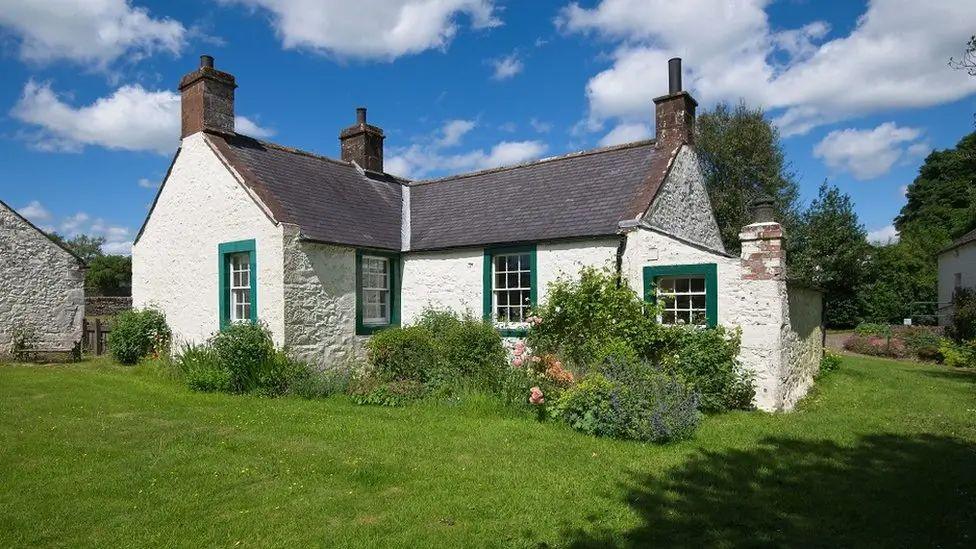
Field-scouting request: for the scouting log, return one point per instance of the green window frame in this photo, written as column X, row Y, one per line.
column 708, row 270
column 363, row 328
column 225, row 251
column 489, row 287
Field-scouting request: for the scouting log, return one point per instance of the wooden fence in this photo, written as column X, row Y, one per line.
column 94, row 337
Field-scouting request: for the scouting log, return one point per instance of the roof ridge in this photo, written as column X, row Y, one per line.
column 566, row 156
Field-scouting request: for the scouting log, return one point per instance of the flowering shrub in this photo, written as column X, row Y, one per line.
column 876, row 346
column 583, row 315
column 631, row 401
column 829, row 362
column 137, row 334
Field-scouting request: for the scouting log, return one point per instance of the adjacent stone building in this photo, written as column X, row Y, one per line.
column 328, row 251
column 42, row 288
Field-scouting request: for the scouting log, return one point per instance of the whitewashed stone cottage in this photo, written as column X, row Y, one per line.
column 42, row 289
column 327, row 251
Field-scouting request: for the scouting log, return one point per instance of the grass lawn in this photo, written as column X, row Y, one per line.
column 884, row 453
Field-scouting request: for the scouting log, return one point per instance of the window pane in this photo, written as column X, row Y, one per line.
column 683, row 302
column 524, row 279
column 700, row 319
column 698, row 284
column 502, row 298
column 666, row 285
column 499, row 280
column 683, row 317
column 667, row 317
column 513, row 280
column 698, row 302
column 681, row 285
column 500, row 263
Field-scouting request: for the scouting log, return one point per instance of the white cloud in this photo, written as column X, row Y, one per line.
column 885, row 235
column 867, row 154
column 372, row 29
column 147, row 183
column 903, row 190
column 71, row 226
column 91, row 32
column 453, row 131
column 250, row 128
column 506, row 67
column 35, row 211
column 118, row 239
column 626, row 133
column 131, row 118
column 895, row 57
column 540, row 126
column 426, row 158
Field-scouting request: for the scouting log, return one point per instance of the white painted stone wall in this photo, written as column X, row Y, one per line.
column 565, row 259
column 682, row 207
column 451, row 279
column 802, row 343
column 961, row 260
column 175, row 261
column 42, row 287
column 757, row 307
column 320, row 301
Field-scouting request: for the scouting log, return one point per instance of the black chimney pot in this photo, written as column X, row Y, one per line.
column 206, row 61
column 674, row 75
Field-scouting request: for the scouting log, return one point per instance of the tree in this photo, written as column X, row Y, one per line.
column 742, row 158
column 898, row 275
column 832, row 253
column 84, row 246
column 110, row 275
column 968, row 60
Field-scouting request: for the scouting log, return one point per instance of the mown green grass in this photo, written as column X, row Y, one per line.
column 882, row 453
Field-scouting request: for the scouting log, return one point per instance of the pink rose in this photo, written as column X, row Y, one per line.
column 535, row 396
column 517, row 362
column 519, row 348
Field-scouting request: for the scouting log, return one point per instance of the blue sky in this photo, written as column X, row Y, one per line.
column 89, row 113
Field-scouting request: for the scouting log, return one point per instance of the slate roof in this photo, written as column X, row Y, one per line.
column 330, row 200
column 577, row 195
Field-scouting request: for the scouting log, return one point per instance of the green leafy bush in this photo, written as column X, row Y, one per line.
column 468, row 347
column 870, row 329
column 137, row 334
column 829, row 362
column 962, row 324
column 323, row 383
column 372, row 390
column 584, row 315
column 630, row 400
column 201, row 370
column 708, row 360
column 408, row 353
column 922, row 342
column 240, row 359
column 958, row 355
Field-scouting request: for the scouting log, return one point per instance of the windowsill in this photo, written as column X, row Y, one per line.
column 370, row 329
column 512, row 330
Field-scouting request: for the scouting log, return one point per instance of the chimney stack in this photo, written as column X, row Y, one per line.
column 362, row 143
column 763, row 251
column 207, row 99
column 674, row 115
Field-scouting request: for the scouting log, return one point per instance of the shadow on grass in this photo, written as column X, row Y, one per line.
column 884, row 490
column 954, row 374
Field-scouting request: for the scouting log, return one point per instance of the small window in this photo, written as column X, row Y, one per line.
column 240, row 286
column 376, row 290
column 238, row 282
column 511, row 288
column 683, row 300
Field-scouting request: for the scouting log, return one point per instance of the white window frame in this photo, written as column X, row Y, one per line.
column 383, row 291
column 240, row 294
column 524, row 268
column 664, row 297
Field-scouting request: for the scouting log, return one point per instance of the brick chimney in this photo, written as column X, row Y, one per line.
column 763, row 255
column 362, row 143
column 674, row 113
column 207, row 99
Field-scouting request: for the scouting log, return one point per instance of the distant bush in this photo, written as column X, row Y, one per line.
column 630, row 401
column 922, row 342
column 241, row 358
column 876, row 346
column 829, row 362
column 376, row 391
column 137, row 334
column 871, row 329
column 708, row 360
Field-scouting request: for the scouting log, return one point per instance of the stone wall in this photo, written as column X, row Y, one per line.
column 42, row 287
column 106, row 306
column 320, row 301
column 803, row 339
column 682, row 207
column 175, row 261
